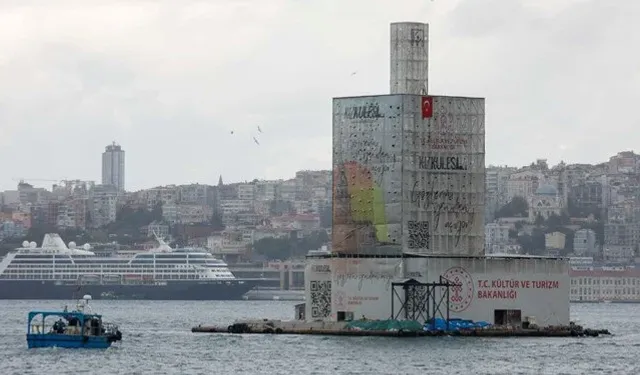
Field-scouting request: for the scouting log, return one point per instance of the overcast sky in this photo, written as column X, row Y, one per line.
column 170, row 80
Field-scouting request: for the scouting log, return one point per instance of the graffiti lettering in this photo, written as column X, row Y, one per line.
column 441, row 202
column 362, row 112
column 417, row 37
column 457, row 227
column 341, row 279
column 445, row 143
column 370, row 151
column 440, row 163
column 324, row 268
column 379, row 170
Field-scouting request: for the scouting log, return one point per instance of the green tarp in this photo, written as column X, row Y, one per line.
column 385, row 325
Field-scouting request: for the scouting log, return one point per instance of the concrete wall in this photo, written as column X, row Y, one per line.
column 363, row 286
column 536, row 286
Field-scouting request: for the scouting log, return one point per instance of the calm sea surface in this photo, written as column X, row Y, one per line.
column 157, row 340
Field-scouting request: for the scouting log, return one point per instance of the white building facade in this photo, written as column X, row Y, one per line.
column 496, row 238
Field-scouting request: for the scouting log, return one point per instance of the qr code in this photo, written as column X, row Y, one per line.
column 320, row 299
column 418, row 235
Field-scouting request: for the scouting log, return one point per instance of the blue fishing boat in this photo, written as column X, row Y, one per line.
column 70, row 329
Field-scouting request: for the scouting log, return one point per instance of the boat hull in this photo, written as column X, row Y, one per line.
column 39, row 340
column 179, row 290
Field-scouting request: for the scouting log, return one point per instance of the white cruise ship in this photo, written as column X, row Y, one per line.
column 57, row 271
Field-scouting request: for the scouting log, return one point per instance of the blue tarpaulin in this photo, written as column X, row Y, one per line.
column 439, row 324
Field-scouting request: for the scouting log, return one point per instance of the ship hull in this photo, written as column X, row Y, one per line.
column 177, row 290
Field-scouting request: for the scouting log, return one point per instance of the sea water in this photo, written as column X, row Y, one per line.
column 157, row 340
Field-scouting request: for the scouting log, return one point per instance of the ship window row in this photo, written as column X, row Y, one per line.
column 621, row 291
column 166, row 261
column 57, row 276
column 124, row 267
column 170, row 256
column 27, row 275
column 128, row 271
column 123, row 261
column 605, row 281
column 112, row 276
column 606, row 292
column 43, row 263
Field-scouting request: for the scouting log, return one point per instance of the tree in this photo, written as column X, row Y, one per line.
column 156, row 212
column 553, row 222
column 129, row 221
column 280, row 207
column 518, row 225
column 575, row 209
column 216, row 220
column 539, row 221
column 273, row 248
column 326, row 216
column 568, row 242
column 534, row 243
column 285, row 248
column 524, row 240
column 517, row 207
column 538, row 241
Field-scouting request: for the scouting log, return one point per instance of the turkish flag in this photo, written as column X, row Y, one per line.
column 427, row 106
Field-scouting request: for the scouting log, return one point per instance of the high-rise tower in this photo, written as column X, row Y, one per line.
column 113, row 166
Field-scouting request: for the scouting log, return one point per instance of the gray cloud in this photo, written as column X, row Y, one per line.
column 170, row 80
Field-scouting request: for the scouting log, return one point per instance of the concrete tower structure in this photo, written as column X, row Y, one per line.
column 409, row 58
column 113, row 166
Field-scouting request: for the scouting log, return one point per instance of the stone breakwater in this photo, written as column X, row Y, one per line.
column 340, row 329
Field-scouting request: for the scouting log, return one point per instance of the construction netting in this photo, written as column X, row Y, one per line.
column 385, row 325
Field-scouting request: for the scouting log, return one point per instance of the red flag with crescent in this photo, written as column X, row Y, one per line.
column 427, row 106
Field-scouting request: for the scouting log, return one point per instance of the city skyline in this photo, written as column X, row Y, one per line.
column 39, row 183
column 174, row 104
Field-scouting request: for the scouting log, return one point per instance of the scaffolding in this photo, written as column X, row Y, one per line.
column 422, row 301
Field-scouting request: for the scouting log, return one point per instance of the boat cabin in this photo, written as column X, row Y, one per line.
column 67, row 323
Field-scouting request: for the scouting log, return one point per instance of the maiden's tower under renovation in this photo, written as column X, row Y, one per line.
column 408, row 205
